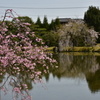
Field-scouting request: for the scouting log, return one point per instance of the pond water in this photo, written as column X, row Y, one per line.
column 76, row 78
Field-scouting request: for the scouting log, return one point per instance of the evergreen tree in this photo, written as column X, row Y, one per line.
column 92, row 18
column 52, row 25
column 38, row 22
column 57, row 22
column 45, row 23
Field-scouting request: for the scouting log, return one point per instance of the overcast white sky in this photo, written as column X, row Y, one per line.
column 50, row 8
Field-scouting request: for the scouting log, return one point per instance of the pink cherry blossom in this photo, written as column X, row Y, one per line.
column 16, row 89
column 19, row 55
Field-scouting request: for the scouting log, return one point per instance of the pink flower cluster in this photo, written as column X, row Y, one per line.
column 18, row 54
column 16, row 89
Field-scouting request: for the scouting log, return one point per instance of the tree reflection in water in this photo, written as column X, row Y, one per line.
column 79, row 65
column 71, row 65
column 18, row 85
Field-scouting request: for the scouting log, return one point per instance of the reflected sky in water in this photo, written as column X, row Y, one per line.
column 76, row 78
column 64, row 89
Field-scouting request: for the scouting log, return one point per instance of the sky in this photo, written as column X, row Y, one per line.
column 49, row 8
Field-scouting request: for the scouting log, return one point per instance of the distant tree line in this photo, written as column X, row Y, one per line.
column 45, row 30
column 42, row 29
column 49, row 26
column 49, row 31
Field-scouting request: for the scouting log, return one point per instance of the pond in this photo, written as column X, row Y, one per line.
column 76, row 78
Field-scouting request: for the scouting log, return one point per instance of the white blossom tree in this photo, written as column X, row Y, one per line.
column 76, row 33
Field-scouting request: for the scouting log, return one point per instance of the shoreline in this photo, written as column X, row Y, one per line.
column 76, row 49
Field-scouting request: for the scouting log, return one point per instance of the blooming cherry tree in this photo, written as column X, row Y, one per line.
column 22, row 52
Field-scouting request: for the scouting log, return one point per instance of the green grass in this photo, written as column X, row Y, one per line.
column 50, row 48
column 78, row 49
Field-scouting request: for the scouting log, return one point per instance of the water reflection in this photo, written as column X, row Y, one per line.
column 79, row 65
column 71, row 65
column 15, row 86
column 93, row 80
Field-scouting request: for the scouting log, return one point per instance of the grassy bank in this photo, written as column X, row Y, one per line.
column 50, row 48
column 78, row 49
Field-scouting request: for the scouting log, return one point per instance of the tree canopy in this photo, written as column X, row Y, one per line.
column 25, row 19
column 92, row 17
column 76, row 34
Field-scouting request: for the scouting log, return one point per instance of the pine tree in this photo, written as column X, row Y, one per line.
column 45, row 23
column 38, row 22
column 52, row 25
column 57, row 22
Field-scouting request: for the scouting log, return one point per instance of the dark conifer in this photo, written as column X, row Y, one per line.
column 38, row 22
column 92, row 17
column 45, row 23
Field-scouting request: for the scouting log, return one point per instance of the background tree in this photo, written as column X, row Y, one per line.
column 25, row 19
column 51, row 39
column 57, row 23
column 92, row 18
column 38, row 22
column 76, row 34
column 45, row 23
column 52, row 25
